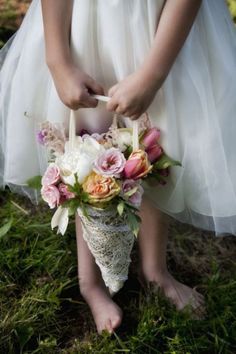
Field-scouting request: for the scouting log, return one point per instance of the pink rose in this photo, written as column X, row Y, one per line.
column 110, row 163
column 150, row 138
column 154, row 152
column 134, row 197
column 65, row 193
column 50, row 195
column 51, row 176
column 137, row 165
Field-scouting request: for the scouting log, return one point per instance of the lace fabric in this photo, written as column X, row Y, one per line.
column 110, row 240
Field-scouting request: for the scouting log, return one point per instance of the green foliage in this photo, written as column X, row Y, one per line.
column 80, row 200
column 232, row 7
column 6, row 227
column 164, row 162
column 35, row 182
column 130, row 211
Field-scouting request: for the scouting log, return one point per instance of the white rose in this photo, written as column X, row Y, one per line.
column 79, row 160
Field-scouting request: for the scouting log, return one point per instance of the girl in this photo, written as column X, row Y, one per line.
column 175, row 59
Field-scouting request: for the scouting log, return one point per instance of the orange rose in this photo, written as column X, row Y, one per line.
column 100, row 188
column 137, row 165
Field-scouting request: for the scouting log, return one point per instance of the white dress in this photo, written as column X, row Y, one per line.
column 195, row 108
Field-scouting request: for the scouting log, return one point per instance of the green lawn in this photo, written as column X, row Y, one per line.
column 43, row 312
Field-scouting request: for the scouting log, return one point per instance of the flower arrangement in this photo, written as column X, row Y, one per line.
column 100, row 169
column 100, row 177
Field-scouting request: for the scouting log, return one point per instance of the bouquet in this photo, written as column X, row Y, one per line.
column 99, row 176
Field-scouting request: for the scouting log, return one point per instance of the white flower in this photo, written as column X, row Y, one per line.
column 119, row 137
column 79, row 160
column 124, row 138
column 60, row 219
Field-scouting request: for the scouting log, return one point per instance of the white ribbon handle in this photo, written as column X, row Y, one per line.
column 72, row 127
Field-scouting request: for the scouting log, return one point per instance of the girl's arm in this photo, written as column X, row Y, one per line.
column 72, row 84
column 57, row 21
column 132, row 96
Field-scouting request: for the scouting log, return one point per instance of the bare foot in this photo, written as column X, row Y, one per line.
column 106, row 313
column 180, row 295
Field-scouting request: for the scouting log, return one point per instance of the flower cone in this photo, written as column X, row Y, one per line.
column 110, row 241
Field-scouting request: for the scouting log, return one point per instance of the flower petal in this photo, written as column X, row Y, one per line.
column 60, row 219
column 56, row 217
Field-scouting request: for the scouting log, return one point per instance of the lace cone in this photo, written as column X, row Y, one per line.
column 110, row 240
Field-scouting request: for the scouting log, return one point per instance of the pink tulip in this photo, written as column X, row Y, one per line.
column 137, row 165
column 50, row 195
column 154, row 152
column 51, row 176
column 151, row 137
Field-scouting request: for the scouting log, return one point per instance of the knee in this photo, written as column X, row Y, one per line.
column 148, row 208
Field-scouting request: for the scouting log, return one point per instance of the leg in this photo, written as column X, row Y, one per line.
column 153, row 238
column 106, row 313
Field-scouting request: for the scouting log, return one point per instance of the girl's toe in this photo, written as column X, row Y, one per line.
column 109, row 326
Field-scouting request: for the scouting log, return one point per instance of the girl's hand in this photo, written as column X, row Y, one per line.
column 74, row 86
column 132, row 96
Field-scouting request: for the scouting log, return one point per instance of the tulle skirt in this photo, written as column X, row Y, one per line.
column 195, row 108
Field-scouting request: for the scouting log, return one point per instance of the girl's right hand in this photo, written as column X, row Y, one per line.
column 74, row 87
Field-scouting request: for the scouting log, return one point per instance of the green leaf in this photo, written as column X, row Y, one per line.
column 128, row 151
column 5, row 228
column 85, row 212
column 165, row 161
column 85, row 197
column 133, row 223
column 72, row 204
column 120, row 207
column 131, row 192
column 133, row 220
column 24, row 333
column 35, row 182
column 131, row 206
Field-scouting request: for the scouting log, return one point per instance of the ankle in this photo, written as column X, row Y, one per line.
column 155, row 274
column 88, row 288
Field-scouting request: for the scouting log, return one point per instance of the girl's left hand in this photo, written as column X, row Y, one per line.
column 132, row 96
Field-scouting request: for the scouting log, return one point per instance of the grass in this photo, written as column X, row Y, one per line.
column 42, row 311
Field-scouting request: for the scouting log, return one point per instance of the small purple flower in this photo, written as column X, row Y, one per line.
column 134, row 197
column 52, row 136
column 40, row 137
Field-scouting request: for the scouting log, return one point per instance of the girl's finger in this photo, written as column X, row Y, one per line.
column 112, row 90
column 95, row 87
column 120, row 110
column 89, row 101
column 112, row 105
